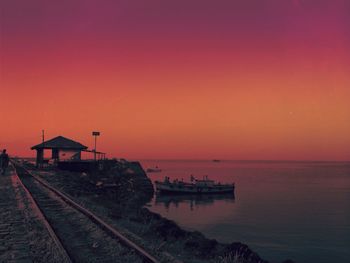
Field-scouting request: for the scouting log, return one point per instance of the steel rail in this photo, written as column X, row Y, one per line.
column 97, row 220
column 66, row 258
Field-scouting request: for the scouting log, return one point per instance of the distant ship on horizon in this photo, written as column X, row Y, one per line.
column 153, row 170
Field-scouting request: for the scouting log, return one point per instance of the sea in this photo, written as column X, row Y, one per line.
column 281, row 210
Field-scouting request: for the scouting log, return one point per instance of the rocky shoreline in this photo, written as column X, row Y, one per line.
column 118, row 194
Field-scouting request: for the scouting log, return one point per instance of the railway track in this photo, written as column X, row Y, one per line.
column 79, row 235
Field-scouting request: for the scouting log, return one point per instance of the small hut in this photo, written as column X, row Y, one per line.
column 62, row 149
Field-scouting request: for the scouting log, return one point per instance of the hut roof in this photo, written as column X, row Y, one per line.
column 60, row 142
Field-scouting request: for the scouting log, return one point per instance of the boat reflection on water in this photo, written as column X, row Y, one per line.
column 192, row 199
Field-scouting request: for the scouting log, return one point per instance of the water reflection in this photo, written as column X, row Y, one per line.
column 297, row 210
column 192, row 200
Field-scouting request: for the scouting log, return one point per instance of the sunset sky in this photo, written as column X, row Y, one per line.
column 188, row 79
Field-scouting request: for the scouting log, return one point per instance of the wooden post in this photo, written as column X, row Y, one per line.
column 39, row 157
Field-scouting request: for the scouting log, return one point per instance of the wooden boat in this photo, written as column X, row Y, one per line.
column 204, row 186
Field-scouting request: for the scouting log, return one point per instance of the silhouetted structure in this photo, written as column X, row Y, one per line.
column 61, row 147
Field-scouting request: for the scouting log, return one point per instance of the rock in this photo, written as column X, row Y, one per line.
column 243, row 252
column 200, row 245
column 168, row 229
column 2, row 248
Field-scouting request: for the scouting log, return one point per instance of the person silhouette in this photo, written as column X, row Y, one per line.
column 4, row 161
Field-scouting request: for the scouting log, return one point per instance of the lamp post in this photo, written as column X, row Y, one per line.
column 95, row 134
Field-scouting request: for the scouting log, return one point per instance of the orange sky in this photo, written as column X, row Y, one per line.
column 256, row 82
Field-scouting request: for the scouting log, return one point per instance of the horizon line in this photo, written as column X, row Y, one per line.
column 218, row 160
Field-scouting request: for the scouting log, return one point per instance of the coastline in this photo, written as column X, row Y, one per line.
column 119, row 194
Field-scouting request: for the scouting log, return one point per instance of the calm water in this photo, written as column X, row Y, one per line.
column 295, row 210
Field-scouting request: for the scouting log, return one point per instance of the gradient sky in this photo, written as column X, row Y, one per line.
column 198, row 79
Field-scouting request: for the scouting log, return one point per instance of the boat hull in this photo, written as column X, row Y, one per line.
column 171, row 188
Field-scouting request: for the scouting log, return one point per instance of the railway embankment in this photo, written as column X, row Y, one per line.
column 23, row 234
column 118, row 194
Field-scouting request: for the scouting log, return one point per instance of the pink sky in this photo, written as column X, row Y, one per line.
column 179, row 79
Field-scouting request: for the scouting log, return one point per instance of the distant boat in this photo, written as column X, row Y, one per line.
column 204, row 186
column 216, row 161
column 154, row 170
